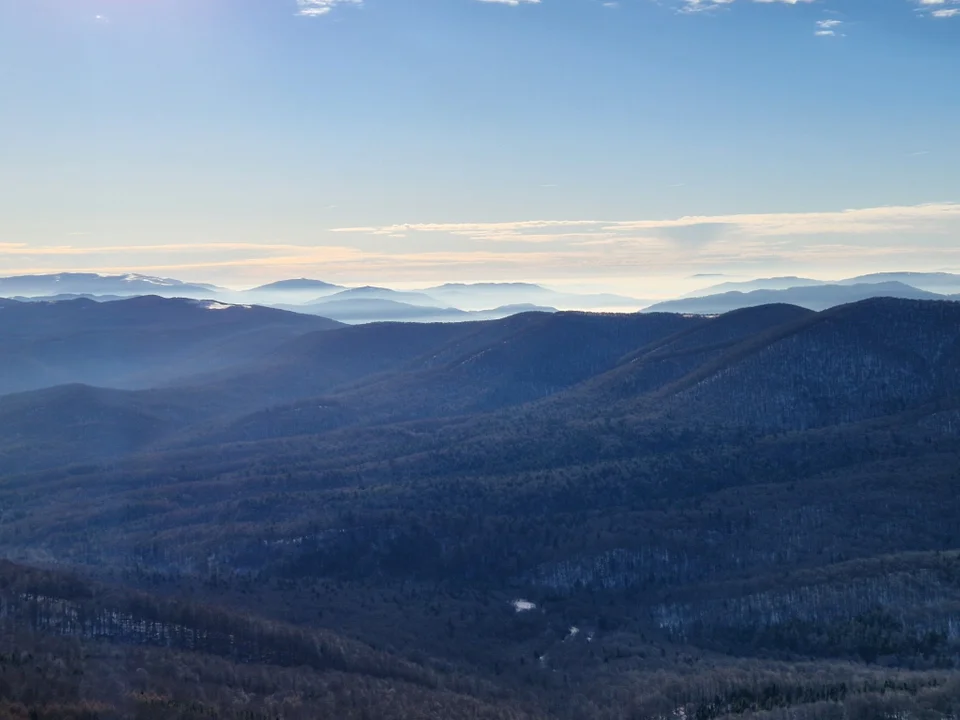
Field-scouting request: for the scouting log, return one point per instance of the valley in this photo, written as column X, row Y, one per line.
column 564, row 514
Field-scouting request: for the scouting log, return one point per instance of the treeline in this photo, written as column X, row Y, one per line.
column 67, row 606
column 55, row 679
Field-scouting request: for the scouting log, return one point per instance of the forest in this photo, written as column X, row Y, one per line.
column 563, row 515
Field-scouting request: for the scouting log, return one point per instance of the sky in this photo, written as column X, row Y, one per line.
column 624, row 145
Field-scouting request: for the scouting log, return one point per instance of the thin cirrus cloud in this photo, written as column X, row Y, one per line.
column 939, row 9
column 318, row 8
column 934, row 8
column 931, row 217
column 873, row 237
column 827, row 28
column 693, row 6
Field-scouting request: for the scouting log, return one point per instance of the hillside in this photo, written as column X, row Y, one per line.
column 877, row 357
column 813, row 297
column 97, row 284
column 938, row 282
column 500, row 365
column 744, row 286
column 135, row 343
column 371, row 310
column 181, row 650
column 661, row 364
column 480, row 296
column 378, row 293
column 296, row 285
column 563, row 515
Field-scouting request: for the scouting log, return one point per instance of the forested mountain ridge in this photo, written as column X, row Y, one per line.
column 660, row 364
column 96, row 283
column 876, row 357
column 135, row 343
column 531, row 356
column 820, row 296
column 553, row 515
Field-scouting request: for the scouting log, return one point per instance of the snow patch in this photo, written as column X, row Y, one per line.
column 523, row 605
column 134, row 277
column 214, row 305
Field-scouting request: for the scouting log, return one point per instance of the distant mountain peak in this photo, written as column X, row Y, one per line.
column 296, row 284
column 487, row 285
column 813, row 297
column 98, row 284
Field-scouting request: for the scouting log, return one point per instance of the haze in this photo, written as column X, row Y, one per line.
column 617, row 146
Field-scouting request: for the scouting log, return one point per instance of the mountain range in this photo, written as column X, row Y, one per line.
column 938, row 282
column 135, row 342
column 814, row 297
column 98, row 284
column 742, row 516
column 470, row 301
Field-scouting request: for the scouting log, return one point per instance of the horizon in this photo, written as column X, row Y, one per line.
column 672, row 288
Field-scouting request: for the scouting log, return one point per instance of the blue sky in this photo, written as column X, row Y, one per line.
column 406, row 141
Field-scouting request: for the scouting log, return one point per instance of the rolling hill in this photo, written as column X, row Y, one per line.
column 369, row 309
column 480, row 296
column 813, row 297
column 378, row 293
column 296, row 285
column 97, row 284
column 938, row 282
column 745, row 286
column 570, row 515
column 499, row 365
column 135, row 343
column 876, row 357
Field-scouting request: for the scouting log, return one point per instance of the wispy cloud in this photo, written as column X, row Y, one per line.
column 317, row 8
column 178, row 248
column 878, row 220
column 694, row 6
column 933, row 8
column 513, row 3
column 828, row 28
column 888, row 237
column 940, row 9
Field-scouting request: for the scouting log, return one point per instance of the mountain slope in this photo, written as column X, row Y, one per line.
column 938, row 282
column 139, row 342
column 379, row 293
column 296, row 285
column 767, row 531
column 191, row 660
column 320, row 362
column 78, row 423
column 366, row 310
column 96, row 284
column 479, row 296
column 502, row 364
column 871, row 358
column 679, row 355
column 772, row 283
column 814, row 297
